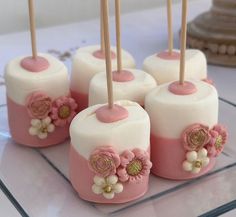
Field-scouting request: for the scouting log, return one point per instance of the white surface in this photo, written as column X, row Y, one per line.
column 20, row 83
column 171, row 114
column 57, row 12
column 168, row 70
column 87, row 132
column 44, row 192
column 85, row 66
column 6, row 207
column 134, row 90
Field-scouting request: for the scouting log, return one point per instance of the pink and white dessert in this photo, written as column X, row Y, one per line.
column 185, row 135
column 109, row 155
column 129, row 84
column 165, row 67
column 86, row 63
column 40, row 108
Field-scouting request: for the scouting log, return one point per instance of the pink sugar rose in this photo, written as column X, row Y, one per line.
column 38, row 105
column 134, row 165
column 63, row 111
column 103, row 161
column 195, row 137
column 219, row 137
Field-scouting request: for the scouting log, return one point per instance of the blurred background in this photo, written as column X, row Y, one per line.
column 14, row 13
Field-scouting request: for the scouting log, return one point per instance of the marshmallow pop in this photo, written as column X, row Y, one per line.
column 130, row 84
column 109, row 154
column 39, row 105
column 164, row 66
column 185, row 135
column 87, row 62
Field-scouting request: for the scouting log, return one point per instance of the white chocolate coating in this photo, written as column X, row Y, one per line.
column 87, row 133
column 170, row 114
column 134, row 90
column 85, row 66
column 168, row 70
column 20, row 82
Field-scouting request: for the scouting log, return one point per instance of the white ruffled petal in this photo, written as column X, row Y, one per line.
column 36, row 123
column 99, row 180
column 205, row 161
column 112, row 179
column 97, row 189
column 42, row 135
column 191, row 156
column 50, row 128
column 33, row 131
column 202, row 153
column 109, row 196
column 196, row 170
column 187, row 166
column 118, row 188
column 46, row 120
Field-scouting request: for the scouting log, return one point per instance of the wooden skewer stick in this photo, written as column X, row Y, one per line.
column 170, row 29
column 32, row 28
column 118, row 35
column 101, row 28
column 107, row 53
column 183, row 41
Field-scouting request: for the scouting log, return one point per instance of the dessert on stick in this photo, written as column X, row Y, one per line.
column 109, row 154
column 164, row 66
column 87, row 62
column 39, row 105
column 130, row 84
column 185, row 135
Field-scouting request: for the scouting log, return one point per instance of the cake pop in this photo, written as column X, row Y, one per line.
column 185, row 135
column 130, row 84
column 40, row 108
column 109, row 154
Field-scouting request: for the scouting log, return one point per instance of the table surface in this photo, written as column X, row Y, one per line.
column 34, row 182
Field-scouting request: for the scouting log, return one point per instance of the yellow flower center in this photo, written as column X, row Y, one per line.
column 64, row 111
column 107, row 189
column 134, row 167
column 198, row 164
column 219, row 141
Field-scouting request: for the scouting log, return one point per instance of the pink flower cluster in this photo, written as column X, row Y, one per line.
column 130, row 166
column 198, row 136
column 61, row 110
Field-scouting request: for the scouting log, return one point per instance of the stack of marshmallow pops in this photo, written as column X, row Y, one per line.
column 110, row 145
column 40, row 108
column 185, row 136
column 110, row 149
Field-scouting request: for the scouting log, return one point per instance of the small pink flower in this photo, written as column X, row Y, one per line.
column 195, row 137
column 134, row 165
column 63, row 111
column 38, row 105
column 104, row 161
column 219, row 137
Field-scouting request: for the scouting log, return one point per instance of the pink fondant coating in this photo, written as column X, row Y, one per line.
column 209, row 81
column 167, row 156
column 122, row 76
column 182, row 89
column 109, row 115
column 166, row 55
column 34, row 65
column 101, row 55
column 81, row 100
column 82, row 180
column 19, row 123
